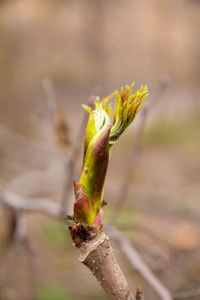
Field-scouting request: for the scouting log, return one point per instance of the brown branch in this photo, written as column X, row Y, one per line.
column 20, row 230
column 66, row 201
column 8, row 259
column 139, row 294
column 50, row 96
column 11, row 224
column 43, row 205
column 187, row 295
column 25, row 245
column 99, row 257
column 137, row 263
column 61, row 130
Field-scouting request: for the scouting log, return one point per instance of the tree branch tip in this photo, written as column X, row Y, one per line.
column 139, row 294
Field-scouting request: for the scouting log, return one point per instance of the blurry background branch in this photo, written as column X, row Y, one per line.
column 188, row 295
column 137, row 263
column 43, row 205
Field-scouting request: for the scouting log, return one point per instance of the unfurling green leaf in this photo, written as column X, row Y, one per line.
column 127, row 106
column 100, row 136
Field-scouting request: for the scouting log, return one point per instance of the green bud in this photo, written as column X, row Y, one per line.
column 95, row 167
column 82, row 207
column 100, row 136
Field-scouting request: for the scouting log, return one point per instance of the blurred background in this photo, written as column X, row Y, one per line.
column 56, row 55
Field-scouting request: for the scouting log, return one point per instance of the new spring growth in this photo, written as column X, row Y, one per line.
column 100, row 136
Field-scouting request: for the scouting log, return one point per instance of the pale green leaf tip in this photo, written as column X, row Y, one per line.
column 87, row 108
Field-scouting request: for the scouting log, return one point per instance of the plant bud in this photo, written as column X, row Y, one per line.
column 99, row 138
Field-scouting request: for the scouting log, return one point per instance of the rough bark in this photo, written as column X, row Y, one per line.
column 99, row 257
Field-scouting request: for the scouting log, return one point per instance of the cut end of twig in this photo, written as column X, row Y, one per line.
column 139, row 294
column 81, row 233
column 90, row 246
